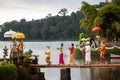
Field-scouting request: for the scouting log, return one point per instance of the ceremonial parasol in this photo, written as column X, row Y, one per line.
column 9, row 33
column 96, row 28
column 18, row 35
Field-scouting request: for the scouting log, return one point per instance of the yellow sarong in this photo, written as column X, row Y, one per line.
column 72, row 61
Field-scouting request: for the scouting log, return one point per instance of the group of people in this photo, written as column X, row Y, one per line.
column 61, row 57
column 17, row 47
column 86, row 48
column 101, row 48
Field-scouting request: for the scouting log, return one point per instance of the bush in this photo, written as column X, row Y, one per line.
column 8, row 72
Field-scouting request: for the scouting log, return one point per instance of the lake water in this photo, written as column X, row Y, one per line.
column 39, row 48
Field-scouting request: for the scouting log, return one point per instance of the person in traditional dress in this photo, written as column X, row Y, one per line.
column 71, row 49
column 87, row 50
column 48, row 52
column 61, row 58
column 102, row 52
column 21, row 48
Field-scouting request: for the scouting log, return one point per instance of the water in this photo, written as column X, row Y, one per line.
column 39, row 48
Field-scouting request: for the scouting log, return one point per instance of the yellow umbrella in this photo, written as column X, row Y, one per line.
column 20, row 35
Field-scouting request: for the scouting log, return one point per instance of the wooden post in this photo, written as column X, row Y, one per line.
column 65, row 74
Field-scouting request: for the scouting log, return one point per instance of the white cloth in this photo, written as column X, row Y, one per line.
column 87, row 53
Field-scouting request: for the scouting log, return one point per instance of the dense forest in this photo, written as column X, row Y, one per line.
column 68, row 27
column 59, row 27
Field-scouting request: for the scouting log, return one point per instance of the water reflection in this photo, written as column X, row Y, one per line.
column 115, row 74
column 100, row 73
column 86, row 74
column 95, row 74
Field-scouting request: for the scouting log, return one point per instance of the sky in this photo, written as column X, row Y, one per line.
column 36, row 9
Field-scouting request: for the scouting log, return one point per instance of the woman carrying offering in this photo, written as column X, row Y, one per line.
column 102, row 53
column 71, row 49
column 48, row 55
column 61, row 59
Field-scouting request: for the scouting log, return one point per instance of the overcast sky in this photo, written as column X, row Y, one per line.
column 37, row 9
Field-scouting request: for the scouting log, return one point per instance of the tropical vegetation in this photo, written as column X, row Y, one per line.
column 8, row 72
column 106, row 16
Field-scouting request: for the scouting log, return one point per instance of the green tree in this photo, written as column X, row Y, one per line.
column 57, row 27
column 108, row 19
column 116, row 2
column 89, row 12
column 63, row 12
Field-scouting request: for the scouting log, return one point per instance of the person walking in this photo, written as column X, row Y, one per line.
column 61, row 58
column 71, row 49
column 48, row 55
column 102, row 52
column 87, row 50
